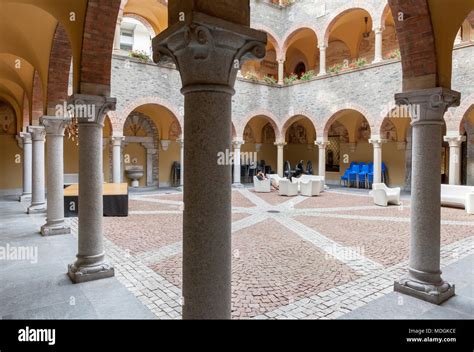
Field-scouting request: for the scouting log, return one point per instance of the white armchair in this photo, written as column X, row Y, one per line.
column 276, row 179
column 288, row 188
column 470, row 203
column 384, row 195
column 311, row 188
column 263, row 186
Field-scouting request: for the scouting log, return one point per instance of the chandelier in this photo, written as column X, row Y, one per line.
column 72, row 130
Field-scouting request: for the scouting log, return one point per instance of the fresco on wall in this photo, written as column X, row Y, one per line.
column 339, row 130
column 268, row 134
column 7, row 119
column 248, row 135
column 389, row 131
column 363, row 133
column 297, row 134
column 175, row 131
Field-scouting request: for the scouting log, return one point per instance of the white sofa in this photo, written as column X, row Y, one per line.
column 458, row 196
column 287, row 188
column 311, row 188
column 276, row 178
column 384, row 196
column 263, row 186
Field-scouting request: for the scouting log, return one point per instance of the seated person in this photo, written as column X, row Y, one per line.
column 274, row 183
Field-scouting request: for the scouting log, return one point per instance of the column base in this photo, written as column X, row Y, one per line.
column 322, row 74
column 237, row 185
column 25, row 197
column 90, row 273
column 55, row 229
column 376, row 61
column 37, row 208
column 435, row 294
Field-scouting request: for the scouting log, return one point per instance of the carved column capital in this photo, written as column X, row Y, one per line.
column 209, row 51
column 38, row 133
column 90, row 108
column 455, row 141
column 55, row 125
column 429, row 105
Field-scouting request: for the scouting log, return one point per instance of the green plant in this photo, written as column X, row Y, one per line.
column 395, row 54
column 307, row 76
column 335, row 68
column 141, row 55
column 292, row 78
column 252, row 76
column 360, row 62
column 270, row 80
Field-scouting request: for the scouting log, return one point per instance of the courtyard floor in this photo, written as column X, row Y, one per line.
column 326, row 257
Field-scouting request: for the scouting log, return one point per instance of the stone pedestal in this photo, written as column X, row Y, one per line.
column 455, row 143
column 237, row 172
column 38, row 199
column 280, row 158
column 208, row 52
column 117, row 159
column 322, row 145
column 322, row 60
column 91, row 264
column 377, row 143
column 55, row 224
column 424, row 275
column 27, row 147
column 378, row 45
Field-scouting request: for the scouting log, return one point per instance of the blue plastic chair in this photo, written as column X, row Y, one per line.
column 355, row 169
column 363, row 176
column 345, row 177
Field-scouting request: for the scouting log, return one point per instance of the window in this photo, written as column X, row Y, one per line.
column 126, row 39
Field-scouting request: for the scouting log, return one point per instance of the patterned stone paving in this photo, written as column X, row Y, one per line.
column 293, row 258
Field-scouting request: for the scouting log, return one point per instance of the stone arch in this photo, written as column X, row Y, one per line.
column 380, row 16
column 334, row 115
column 290, row 120
column 143, row 21
column 294, row 30
column 325, row 29
column 273, row 38
column 121, row 116
column 467, row 105
column 266, row 114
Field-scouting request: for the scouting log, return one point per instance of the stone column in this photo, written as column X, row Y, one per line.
column 322, row 157
column 322, row 60
column 237, row 172
column 280, row 158
column 91, row 264
column 378, row 45
column 181, row 161
column 208, row 52
column 281, row 72
column 424, row 275
column 38, row 200
column 117, row 37
column 55, row 224
column 377, row 143
column 26, row 142
column 455, row 143
column 117, row 159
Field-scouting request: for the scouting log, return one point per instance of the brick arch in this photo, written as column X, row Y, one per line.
column 296, row 28
column 274, row 38
column 417, row 44
column 37, row 99
column 334, row 115
column 467, row 105
column 380, row 16
column 264, row 113
column 59, row 68
column 289, row 120
column 118, row 118
column 97, row 45
column 325, row 29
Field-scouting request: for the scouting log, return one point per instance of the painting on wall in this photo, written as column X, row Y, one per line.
column 389, row 131
column 268, row 134
column 297, row 134
column 7, row 119
column 248, row 135
column 339, row 130
column 363, row 133
column 174, row 131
